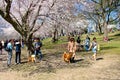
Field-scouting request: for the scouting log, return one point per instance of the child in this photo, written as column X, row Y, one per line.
column 94, row 48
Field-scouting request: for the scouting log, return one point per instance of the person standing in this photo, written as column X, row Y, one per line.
column 18, row 52
column 9, row 50
column 72, row 48
column 94, row 46
column 37, row 48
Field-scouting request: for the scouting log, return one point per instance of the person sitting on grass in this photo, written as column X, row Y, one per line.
column 94, row 45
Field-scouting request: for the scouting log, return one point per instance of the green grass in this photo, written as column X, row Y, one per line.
column 111, row 47
column 48, row 44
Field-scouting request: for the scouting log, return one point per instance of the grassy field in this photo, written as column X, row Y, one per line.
column 52, row 66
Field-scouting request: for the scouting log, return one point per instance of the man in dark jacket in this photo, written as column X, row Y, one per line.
column 18, row 52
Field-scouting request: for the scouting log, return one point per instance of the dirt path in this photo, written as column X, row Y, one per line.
column 3, row 61
column 106, row 68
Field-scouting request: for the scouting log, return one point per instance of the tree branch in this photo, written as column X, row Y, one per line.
column 95, row 1
column 33, row 31
column 36, row 17
column 16, row 20
column 8, row 7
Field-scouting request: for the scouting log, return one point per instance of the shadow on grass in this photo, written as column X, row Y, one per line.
column 23, row 62
column 106, row 48
column 117, row 34
column 53, row 55
column 78, row 60
column 99, row 59
column 111, row 39
column 50, row 63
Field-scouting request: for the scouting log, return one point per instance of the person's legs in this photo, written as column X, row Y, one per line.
column 9, row 58
column 35, row 52
column 16, row 57
column 72, row 60
column 86, row 47
column 94, row 55
column 0, row 51
column 19, row 57
column 40, row 54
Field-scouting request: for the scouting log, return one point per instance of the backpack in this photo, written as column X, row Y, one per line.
column 7, row 49
column 87, row 42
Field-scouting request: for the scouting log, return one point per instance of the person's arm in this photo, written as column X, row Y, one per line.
column 41, row 44
column 98, row 46
column 75, row 46
column 90, row 46
column 68, row 47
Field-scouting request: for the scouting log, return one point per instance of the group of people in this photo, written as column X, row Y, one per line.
column 73, row 45
column 16, row 45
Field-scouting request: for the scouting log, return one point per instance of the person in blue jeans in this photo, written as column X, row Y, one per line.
column 10, row 48
column 37, row 48
column 18, row 52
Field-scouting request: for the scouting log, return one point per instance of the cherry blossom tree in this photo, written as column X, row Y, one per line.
column 25, row 16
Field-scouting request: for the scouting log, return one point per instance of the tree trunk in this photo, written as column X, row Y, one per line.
column 100, row 29
column 28, row 42
column 61, row 33
column 105, row 38
column 55, row 35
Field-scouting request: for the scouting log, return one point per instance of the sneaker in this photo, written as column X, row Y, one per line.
column 8, row 65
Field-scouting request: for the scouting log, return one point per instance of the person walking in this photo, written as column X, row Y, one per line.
column 94, row 46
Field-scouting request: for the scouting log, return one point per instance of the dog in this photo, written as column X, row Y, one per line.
column 32, row 58
column 67, row 56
